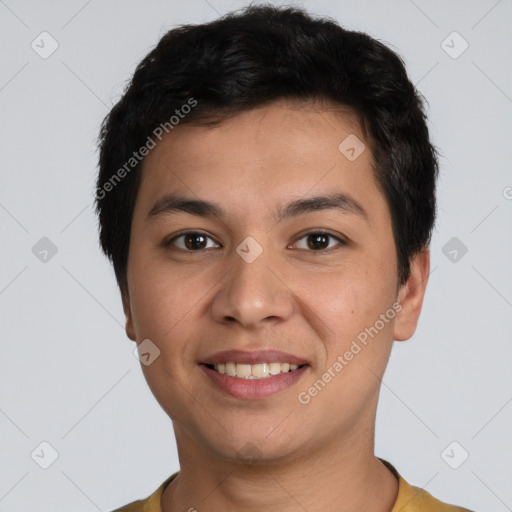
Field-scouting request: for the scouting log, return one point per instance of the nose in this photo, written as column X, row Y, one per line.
column 253, row 294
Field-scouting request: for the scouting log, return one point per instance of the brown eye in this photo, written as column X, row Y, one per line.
column 191, row 241
column 319, row 241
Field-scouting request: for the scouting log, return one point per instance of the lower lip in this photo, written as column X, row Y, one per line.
column 254, row 389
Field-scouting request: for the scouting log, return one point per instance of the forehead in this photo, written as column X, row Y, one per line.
column 263, row 156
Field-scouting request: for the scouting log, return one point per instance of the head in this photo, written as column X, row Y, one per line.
column 267, row 127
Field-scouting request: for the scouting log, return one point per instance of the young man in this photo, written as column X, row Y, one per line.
column 266, row 196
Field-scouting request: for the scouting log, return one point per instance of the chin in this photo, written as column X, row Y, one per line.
column 256, row 449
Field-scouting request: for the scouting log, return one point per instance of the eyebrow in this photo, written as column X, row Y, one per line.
column 173, row 203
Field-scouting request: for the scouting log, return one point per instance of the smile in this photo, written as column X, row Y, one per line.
column 254, row 371
column 247, row 386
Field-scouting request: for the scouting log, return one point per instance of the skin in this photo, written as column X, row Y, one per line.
column 258, row 455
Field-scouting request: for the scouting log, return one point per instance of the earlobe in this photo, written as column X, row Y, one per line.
column 129, row 328
column 410, row 296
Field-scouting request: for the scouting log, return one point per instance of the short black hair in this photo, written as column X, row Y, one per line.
column 253, row 57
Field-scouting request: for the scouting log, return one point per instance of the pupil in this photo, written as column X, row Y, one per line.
column 319, row 240
column 189, row 241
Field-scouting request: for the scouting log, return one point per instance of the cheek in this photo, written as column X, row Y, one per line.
column 350, row 302
column 161, row 298
column 350, row 296
column 165, row 306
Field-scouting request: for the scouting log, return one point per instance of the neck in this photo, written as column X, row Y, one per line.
column 339, row 475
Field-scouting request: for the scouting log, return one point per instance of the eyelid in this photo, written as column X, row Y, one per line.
column 168, row 242
column 317, row 231
column 320, row 231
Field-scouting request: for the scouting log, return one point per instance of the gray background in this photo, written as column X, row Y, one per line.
column 67, row 372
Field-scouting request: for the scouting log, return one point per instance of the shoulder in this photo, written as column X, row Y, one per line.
column 136, row 506
column 414, row 499
column 149, row 504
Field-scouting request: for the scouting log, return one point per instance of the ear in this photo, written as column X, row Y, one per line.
column 130, row 330
column 410, row 296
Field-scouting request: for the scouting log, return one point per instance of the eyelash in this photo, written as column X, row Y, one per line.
column 169, row 243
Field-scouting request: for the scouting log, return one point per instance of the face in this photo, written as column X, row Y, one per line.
column 259, row 262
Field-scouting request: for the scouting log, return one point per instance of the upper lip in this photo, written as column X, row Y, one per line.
column 259, row 356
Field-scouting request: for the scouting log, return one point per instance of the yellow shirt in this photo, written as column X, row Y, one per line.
column 409, row 499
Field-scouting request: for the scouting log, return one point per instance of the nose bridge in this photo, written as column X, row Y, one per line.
column 251, row 291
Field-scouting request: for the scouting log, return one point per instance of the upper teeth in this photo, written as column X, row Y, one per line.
column 254, row 371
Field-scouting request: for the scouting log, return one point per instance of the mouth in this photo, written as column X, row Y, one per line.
column 258, row 371
column 253, row 375
column 253, row 381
